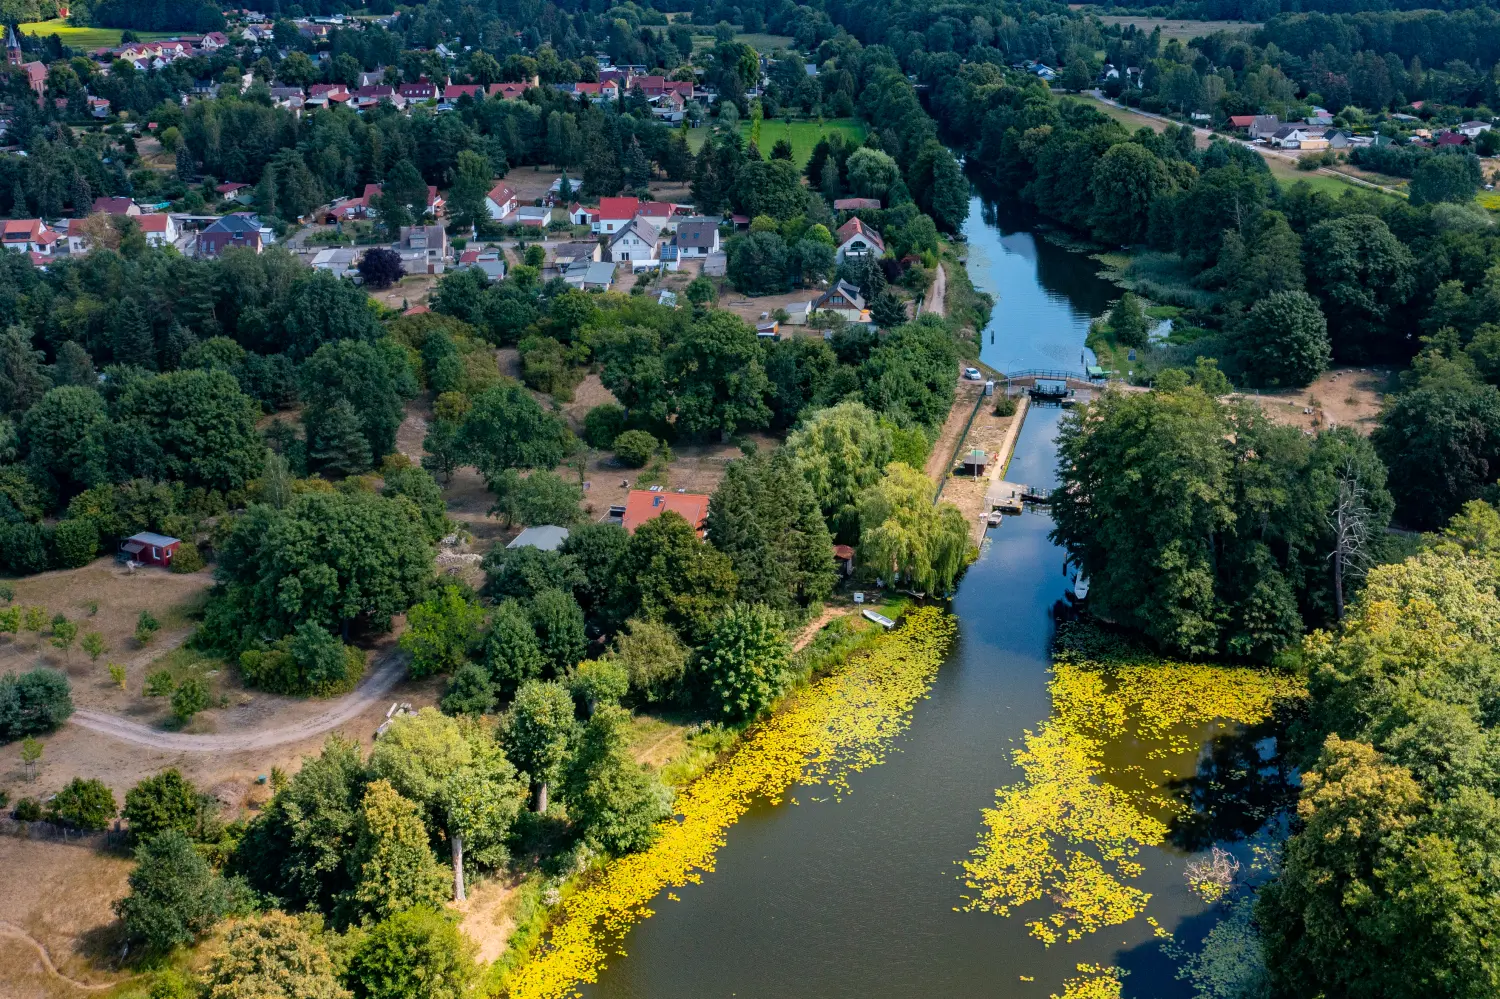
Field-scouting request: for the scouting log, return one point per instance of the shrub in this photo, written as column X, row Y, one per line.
column 380, row 268
column 603, row 424
column 599, row 681
column 309, row 662
column 634, row 448
column 174, row 895
column 146, row 627
column 190, row 697
column 27, row 810
column 161, row 802
column 1005, row 405
column 76, row 542
column 188, row 558
column 159, row 683
column 33, row 702
column 83, row 804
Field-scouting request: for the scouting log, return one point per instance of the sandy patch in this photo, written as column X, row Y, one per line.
column 1345, row 397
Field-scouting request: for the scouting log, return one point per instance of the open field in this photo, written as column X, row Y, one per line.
column 1176, row 27
column 758, row 40
column 1344, row 397
column 804, row 135
column 88, row 38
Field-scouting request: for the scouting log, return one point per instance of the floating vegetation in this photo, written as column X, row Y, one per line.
column 1070, row 831
column 840, row 724
column 1096, row 982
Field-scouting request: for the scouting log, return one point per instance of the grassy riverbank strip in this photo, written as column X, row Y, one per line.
column 819, row 734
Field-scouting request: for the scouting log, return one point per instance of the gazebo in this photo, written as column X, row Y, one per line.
column 974, row 462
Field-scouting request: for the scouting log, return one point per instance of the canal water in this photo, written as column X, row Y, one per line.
column 859, row 898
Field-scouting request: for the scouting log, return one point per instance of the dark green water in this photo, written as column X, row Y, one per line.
column 856, row 898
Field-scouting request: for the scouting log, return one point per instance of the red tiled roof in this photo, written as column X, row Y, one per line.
column 153, row 222
column 642, row 505
column 509, row 91
column 854, row 227
column 619, row 208
column 112, row 206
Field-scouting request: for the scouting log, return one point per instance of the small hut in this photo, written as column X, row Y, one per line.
column 974, row 462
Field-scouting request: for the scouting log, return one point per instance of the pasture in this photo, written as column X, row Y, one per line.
column 87, row 39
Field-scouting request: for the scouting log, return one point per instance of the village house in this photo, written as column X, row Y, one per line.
column 423, row 249
column 115, row 206
column 500, row 202
column 661, row 214
column 1473, row 128
column 642, row 505
column 489, row 261
column 509, row 91
column 534, row 216
column 423, row 90
column 158, row 228
column 1262, row 126
column 854, row 238
column 235, row 191
column 697, row 237
column 239, row 229
column 614, row 213
column 579, row 215
column 340, row 261
column 595, row 92
column 588, row 275
column 1289, row 136
column 638, row 243
column 28, row 236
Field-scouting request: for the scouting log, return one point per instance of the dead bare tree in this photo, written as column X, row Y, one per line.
column 1350, row 521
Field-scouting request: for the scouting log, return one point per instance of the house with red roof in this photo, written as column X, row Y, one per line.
column 501, row 201
column 661, row 214
column 158, row 228
column 28, row 236
column 642, row 505
column 115, row 206
column 454, row 91
column 509, row 91
column 423, row 90
column 581, row 215
column 606, row 90
column 854, row 238
column 614, row 213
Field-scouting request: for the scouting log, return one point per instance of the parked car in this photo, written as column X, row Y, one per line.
column 972, row 374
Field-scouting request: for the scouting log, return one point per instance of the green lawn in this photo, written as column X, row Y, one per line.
column 759, row 41
column 804, row 135
column 88, row 39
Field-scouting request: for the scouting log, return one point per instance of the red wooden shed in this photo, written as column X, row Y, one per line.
column 150, row 549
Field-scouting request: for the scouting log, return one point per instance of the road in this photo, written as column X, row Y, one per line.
column 935, row 299
column 371, row 690
column 1265, row 151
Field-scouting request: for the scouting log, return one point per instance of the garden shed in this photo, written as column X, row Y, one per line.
column 152, row 549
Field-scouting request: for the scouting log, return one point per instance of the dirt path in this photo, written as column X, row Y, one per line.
column 942, row 451
column 372, row 689
column 10, row 929
column 811, row 631
column 936, row 300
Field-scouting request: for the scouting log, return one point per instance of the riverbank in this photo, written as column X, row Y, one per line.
column 819, row 734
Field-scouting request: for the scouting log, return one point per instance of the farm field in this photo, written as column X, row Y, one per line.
column 804, row 135
column 87, row 38
column 758, row 40
column 1175, row 27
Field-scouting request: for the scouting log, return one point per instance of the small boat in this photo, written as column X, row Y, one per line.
column 995, row 518
column 1081, row 587
column 879, row 619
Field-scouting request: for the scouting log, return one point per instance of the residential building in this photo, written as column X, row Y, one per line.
column 637, row 243
column 234, row 191
column 509, row 91
column 1473, row 128
column 843, row 299
column 501, row 201
column 697, row 237
column 1289, row 136
column 238, row 230
column 854, row 238
column 597, row 92
column 661, row 214
column 579, row 215
column 423, row 90
column 537, row 217
column 454, row 91
column 590, row 276
column 1241, row 122
column 1262, row 126
column 150, row 549
column 115, row 206
column 423, row 249
column 159, row 228
column 614, row 213
column 28, row 236
column 642, row 505
column 336, row 260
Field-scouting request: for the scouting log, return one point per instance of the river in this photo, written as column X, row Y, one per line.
column 859, row 898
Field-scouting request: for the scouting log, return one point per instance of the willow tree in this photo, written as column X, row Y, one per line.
column 905, row 536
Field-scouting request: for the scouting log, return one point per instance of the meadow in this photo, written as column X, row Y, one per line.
column 1176, row 27
column 803, row 135
column 86, row 39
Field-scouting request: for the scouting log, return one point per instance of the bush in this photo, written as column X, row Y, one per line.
column 33, row 702
column 27, row 810
column 160, row 683
column 634, row 448
column 603, row 424
column 77, row 542
column 83, row 804
column 146, row 627
column 190, row 697
column 161, row 802
column 599, row 681
column 188, row 558
column 309, row 662
column 380, row 268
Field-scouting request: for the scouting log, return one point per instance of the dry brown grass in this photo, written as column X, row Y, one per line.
column 59, row 896
column 1347, row 397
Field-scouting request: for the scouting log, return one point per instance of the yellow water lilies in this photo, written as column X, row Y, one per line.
column 840, row 724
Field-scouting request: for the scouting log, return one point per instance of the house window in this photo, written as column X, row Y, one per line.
column 154, row 552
